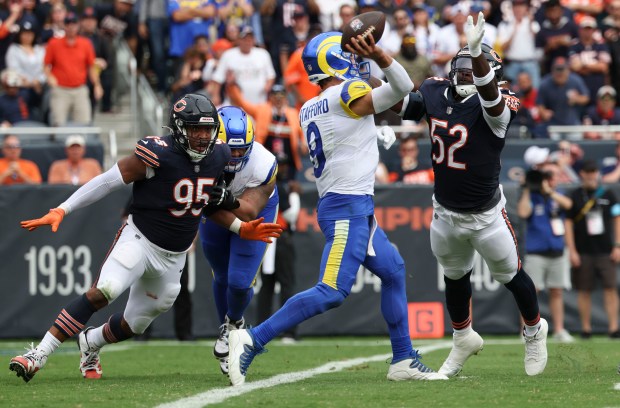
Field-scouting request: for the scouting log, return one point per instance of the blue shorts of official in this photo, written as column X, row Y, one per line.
column 347, row 222
column 235, row 261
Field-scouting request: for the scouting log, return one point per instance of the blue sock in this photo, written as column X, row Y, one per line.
column 297, row 309
column 221, row 298
column 395, row 313
column 238, row 301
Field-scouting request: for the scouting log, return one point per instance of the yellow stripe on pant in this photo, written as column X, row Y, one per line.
column 332, row 267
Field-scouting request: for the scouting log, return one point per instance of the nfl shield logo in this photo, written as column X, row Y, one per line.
column 356, row 24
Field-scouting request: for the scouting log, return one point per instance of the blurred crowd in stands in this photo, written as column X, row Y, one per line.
column 58, row 57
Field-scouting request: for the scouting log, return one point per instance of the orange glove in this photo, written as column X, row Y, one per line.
column 53, row 218
column 257, row 230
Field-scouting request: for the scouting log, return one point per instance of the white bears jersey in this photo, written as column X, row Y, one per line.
column 260, row 169
column 343, row 146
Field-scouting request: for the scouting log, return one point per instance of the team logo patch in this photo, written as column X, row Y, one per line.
column 207, row 119
column 180, row 105
column 495, row 56
column 356, row 24
column 512, row 102
column 236, row 141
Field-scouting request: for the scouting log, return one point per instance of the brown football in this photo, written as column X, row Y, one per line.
column 365, row 24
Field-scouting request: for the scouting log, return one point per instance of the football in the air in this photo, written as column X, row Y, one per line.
column 365, row 24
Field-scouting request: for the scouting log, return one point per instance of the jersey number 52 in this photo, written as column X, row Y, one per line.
column 444, row 154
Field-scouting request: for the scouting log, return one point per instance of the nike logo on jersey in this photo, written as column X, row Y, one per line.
column 144, row 141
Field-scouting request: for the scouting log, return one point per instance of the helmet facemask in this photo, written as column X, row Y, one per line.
column 461, row 72
column 237, row 130
column 194, row 124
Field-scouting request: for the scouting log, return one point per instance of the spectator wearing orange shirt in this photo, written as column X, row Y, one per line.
column 295, row 76
column 276, row 125
column 13, row 169
column 68, row 61
column 75, row 169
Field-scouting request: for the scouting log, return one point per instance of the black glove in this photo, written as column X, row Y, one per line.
column 222, row 198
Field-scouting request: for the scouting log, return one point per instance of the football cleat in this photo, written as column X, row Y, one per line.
column 224, row 365
column 90, row 364
column 412, row 369
column 465, row 346
column 536, row 349
column 242, row 352
column 27, row 365
column 220, row 349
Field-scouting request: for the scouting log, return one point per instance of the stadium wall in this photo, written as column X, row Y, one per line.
column 42, row 271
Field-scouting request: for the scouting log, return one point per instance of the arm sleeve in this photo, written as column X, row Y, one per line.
column 94, row 190
column 388, row 95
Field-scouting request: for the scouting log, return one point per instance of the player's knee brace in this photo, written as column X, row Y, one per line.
column 113, row 331
column 74, row 316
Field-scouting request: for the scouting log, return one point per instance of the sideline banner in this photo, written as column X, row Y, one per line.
column 41, row 271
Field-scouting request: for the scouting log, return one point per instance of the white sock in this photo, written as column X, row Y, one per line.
column 532, row 330
column 95, row 337
column 49, row 344
column 462, row 332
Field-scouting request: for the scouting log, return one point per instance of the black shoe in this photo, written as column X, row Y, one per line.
column 586, row 335
column 615, row 335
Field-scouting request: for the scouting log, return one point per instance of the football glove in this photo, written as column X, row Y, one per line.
column 53, row 218
column 475, row 34
column 222, row 198
column 257, row 230
column 386, row 136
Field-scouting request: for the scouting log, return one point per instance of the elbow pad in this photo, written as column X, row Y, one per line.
column 413, row 107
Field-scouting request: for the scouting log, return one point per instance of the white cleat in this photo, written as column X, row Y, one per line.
column 90, row 364
column 536, row 349
column 563, row 336
column 224, row 365
column 220, row 349
column 242, row 352
column 465, row 346
column 27, row 365
column 412, row 369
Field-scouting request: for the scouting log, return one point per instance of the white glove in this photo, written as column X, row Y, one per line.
column 387, row 136
column 475, row 34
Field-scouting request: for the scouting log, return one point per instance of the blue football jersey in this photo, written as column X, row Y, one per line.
column 465, row 152
column 166, row 208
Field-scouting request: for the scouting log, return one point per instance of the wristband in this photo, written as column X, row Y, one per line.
column 235, row 226
column 490, row 104
column 487, row 79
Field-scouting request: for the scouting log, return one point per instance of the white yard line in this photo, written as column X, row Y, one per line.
column 617, row 386
column 218, row 395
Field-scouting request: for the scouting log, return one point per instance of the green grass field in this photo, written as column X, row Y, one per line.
column 583, row 374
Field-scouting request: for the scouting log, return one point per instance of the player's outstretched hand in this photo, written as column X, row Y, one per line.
column 475, row 34
column 387, row 136
column 53, row 218
column 257, row 230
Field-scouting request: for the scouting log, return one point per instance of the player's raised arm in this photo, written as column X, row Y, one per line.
column 388, row 94
column 483, row 76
